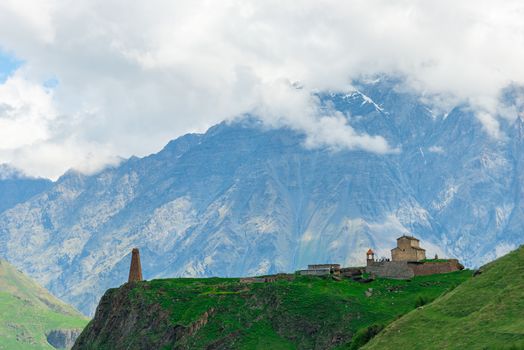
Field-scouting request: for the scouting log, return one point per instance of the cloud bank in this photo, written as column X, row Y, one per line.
column 102, row 79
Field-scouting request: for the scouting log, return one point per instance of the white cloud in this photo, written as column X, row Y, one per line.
column 132, row 76
column 33, row 137
column 26, row 110
column 283, row 104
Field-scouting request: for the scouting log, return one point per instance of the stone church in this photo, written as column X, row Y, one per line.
column 408, row 259
column 408, row 249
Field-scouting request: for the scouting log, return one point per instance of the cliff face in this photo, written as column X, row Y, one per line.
column 63, row 338
column 122, row 322
column 216, row 313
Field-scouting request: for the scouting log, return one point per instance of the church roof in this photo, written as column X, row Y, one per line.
column 414, row 248
column 418, row 248
column 409, row 237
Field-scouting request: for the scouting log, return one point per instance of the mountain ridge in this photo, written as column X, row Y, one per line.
column 245, row 199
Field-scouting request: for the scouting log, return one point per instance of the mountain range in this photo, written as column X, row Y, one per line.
column 246, row 199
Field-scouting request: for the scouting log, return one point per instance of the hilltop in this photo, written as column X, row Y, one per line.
column 291, row 312
column 485, row 312
column 30, row 316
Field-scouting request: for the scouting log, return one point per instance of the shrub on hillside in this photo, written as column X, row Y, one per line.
column 364, row 335
column 421, row 301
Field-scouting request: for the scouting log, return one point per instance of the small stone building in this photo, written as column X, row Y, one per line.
column 321, row 270
column 408, row 249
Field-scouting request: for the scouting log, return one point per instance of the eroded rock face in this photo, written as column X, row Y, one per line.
column 125, row 321
column 119, row 323
column 63, row 338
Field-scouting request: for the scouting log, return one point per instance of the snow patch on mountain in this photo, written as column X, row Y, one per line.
column 368, row 99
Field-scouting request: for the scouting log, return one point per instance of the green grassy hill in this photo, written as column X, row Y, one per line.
column 28, row 312
column 486, row 312
column 303, row 313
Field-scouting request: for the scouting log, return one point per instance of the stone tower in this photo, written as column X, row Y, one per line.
column 135, row 271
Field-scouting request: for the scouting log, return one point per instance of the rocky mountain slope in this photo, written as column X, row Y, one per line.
column 16, row 188
column 293, row 312
column 485, row 312
column 30, row 317
column 243, row 199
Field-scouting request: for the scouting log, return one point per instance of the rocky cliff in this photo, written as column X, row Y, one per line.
column 123, row 322
column 63, row 338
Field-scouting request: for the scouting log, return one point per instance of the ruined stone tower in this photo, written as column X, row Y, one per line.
column 135, row 271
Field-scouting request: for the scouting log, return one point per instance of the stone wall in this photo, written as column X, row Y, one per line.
column 430, row 268
column 406, row 270
column 351, row 271
column 317, row 272
column 267, row 279
column 253, row 280
column 390, row 269
column 323, row 266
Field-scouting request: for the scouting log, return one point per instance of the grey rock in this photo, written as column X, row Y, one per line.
column 63, row 338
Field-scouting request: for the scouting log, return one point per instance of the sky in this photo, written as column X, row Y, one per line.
column 84, row 84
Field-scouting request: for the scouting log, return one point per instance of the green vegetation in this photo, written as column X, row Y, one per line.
column 421, row 301
column 304, row 313
column 28, row 312
column 486, row 312
column 363, row 336
column 434, row 260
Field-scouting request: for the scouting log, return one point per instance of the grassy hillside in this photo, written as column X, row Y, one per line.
column 303, row 313
column 28, row 312
column 486, row 312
